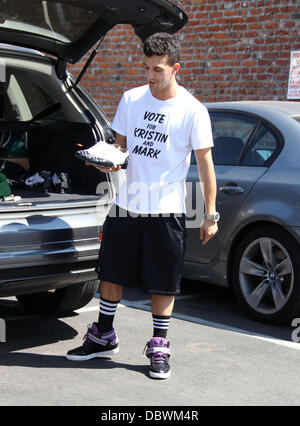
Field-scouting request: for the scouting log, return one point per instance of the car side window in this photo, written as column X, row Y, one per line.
column 231, row 132
column 263, row 147
column 27, row 98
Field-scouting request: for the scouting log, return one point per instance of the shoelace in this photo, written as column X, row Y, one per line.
column 86, row 336
column 159, row 358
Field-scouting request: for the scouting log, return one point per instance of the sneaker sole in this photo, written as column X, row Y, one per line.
column 91, row 356
column 99, row 162
column 154, row 375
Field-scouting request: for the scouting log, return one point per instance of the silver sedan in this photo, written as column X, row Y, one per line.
column 257, row 249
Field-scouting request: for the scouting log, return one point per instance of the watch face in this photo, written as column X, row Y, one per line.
column 213, row 217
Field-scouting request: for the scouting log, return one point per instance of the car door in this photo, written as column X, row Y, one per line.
column 231, row 133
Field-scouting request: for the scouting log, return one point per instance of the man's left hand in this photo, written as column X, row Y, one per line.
column 207, row 230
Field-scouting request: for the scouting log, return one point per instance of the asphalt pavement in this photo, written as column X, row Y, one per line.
column 219, row 357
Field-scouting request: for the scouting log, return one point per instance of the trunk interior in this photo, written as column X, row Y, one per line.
column 42, row 125
column 51, row 146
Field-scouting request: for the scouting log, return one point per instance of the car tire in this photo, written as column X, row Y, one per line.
column 59, row 301
column 266, row 275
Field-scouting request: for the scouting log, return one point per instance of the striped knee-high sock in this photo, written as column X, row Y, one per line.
column 160, row 325
column 106, row 314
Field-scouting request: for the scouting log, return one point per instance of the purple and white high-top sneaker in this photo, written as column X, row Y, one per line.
column 95, row 345
column 158, row 352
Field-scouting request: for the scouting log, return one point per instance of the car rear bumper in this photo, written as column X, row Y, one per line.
column 46, row 251
column 36, row 279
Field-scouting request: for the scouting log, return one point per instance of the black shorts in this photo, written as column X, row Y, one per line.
column 144, row 251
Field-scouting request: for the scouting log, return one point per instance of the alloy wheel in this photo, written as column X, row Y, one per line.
column 266, row 275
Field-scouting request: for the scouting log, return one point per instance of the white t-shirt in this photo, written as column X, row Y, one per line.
column 160, row 137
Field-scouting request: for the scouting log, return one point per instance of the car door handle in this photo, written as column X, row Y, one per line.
column 231, row 190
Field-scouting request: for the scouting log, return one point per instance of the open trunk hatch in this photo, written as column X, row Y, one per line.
column 67, row 29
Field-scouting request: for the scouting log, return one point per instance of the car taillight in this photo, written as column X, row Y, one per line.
column 100, row 236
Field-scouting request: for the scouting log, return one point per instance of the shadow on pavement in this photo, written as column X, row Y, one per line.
column 203, row 302
column 55, row 361
column 27, row 331
column 31, row 332
column 218, row 305
column 199, row 302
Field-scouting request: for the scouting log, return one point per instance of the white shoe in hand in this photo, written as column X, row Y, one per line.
column 104, row 155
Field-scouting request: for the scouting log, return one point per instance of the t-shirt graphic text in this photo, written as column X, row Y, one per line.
column 150, row 134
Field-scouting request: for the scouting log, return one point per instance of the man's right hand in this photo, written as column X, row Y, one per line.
column 104, row 169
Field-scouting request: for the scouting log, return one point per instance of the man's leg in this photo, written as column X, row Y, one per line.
column 119, row 258
column 163, row 254
column 158, row 347
column 111, row 291
column 162, row 305
column 101, row 339
column 110, row 296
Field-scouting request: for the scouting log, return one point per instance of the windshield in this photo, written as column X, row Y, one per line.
column 62, row 22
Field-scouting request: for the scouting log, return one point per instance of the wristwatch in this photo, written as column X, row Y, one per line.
column 212, row 217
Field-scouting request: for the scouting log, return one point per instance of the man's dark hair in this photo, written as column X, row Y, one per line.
column 162, row 44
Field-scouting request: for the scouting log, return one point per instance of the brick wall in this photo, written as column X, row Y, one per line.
column 231, row 50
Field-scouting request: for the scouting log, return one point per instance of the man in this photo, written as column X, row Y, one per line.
column 159, row 123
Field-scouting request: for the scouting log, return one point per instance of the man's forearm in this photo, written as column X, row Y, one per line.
column 208, row 178
column 210, row 189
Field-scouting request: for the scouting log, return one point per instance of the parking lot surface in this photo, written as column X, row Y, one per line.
column 219, row 356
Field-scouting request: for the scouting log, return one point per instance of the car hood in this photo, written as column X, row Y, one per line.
column 67, row 29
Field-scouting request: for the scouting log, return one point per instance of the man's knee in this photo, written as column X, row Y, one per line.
column 111, row 291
